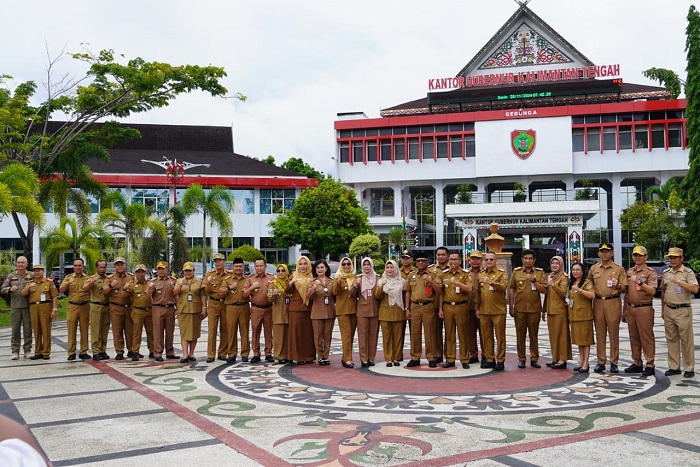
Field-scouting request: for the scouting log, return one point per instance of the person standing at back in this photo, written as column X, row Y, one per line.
column 19, row 308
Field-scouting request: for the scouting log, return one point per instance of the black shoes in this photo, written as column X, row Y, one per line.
column 580, row 369
column 192, row 359
column 211, row 359
column 432, row 364
column 599, row 368
column 671, row 372
column 486, row 364
column 97, row 356
column 438, row 360
column 521, row 364
column 535, row 364
column 347, row 365
column 448, row 365
column 104, row 356
column 184, row 360
column 473, row 360
column 71, row 356
column 223, row 359
column 84, row 356
column 169, row 357
column 39, row 357
column 255, row 359
column 324, row 362
column 648, row 371
column 412, row 363
column 231, row 360
column 633, row 368
column 613, row 368
column 499, row 366
column 269, row 358
column 120, row 356
column 365, row 364
column 130, row 354
column 559, row 366
column 465, row 365
column 135, row 358
column 150, row 355
column 159, row 359
column 244, row 359
column 688, row 374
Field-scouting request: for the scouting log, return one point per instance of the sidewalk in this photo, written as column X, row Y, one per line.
column 147, row 413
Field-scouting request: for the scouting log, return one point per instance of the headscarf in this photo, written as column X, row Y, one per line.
column 348, row 276
column 368, row 280
column 556, row 276
column 303, row 280
column 394, row 285
column 281, row 284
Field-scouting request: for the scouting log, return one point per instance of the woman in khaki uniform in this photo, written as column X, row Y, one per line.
column 556, row 314
column 322, row 303
column 345, row 291
column 367, row 313
column 581, row 297
column 191, row 310
column 301, row 334
column 392, row 316
column 280, row 316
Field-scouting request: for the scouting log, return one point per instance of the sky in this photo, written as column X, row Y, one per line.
column 301, row 63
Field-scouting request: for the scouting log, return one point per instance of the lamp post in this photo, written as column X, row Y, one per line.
column 174, row 171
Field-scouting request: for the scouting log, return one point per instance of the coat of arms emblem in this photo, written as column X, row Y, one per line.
column 523, row 142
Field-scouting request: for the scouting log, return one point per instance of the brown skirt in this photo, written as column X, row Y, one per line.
column 582, row 332
column 190, row 326
column 301, row 337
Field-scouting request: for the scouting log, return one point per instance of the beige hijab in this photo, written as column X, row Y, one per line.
column 394, row 285
column 368, row 280
column 303, row 280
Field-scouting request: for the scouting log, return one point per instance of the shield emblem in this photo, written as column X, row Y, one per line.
column 523, row 142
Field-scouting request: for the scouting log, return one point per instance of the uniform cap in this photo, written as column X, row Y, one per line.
column 675, row 251
column 119, row 259
column 406, row 254
column 188, row 267
column 140, row 267
column 237, row 260
column 38, row 266
column 161, row 265
column 605, row 246
column 218, row 256
column 476, row 254
column 639, row 250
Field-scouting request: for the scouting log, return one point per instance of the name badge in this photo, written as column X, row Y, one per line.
column 43, row 297
column 189, row 297
column 325, row 300
column 457, row 289
column 532, row 286
column 678, row 290
column 286, row 300
column 491, row 288
column 369, row 292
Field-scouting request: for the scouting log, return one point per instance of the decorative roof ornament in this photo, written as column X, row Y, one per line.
column 525, row 46
column 522, row 2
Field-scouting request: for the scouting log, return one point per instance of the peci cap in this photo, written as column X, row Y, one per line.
column 675, row 251
column 605, row 246
column 161, row 265
column 38, row 266
column 639, row 250
column 476, row 254
column 140, row 267
column 237, row 260
column 217, row 256
column 406, row 254
column 119, row 259
column 188, row 266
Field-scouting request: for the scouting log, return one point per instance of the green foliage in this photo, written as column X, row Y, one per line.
column 269, row 160
column 692, row 93
column 397, row 238
column 324, row 220
column 68, row 237
column 586, row 191
column 19, row 187
column 195, row 253
column 365, row 245
column 667, row 78
column 296, row 164
column 246, row 252
column 464, row 194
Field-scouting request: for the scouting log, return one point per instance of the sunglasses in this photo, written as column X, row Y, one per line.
column 421, row 261
column 345, row 263
column 489, row 259
column 281, row 270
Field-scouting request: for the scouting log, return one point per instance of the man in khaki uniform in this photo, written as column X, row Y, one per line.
column 456, row 285
column 678, row 286
column 78, row 309
column 119, row 307
column 255, row 289
column 216, row 316
column 476, row 339
column 19, row 308
column 421, row 289
column 609, row 281
column 43, row 308
column 526, row 286
column 638, row 312
column 441, row 263
column 141, row 311
column 163, row 303
column 99, row 311
column 237, row 313
column 493, row 283
column 406, row 270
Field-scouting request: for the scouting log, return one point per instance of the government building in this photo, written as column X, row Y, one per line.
column 531, row 135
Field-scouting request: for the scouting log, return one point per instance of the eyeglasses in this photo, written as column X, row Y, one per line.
column 345, row 263
column 281, row 270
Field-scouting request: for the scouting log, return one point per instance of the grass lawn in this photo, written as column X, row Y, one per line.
column 5, row 311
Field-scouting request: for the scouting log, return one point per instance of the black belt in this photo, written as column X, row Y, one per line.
column 261, row 306
column 119, row 304
column 217, row 299
column 455, row 303
column 99, row 303
column 141, row 308
column 610, row 297
column 640, row 305
column 422, row 303
column 165, row 306
column 675, row 307
column 39, row 303
column 237, row 303
column 79, row 303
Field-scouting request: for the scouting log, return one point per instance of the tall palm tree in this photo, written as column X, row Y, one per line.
column 82, row 242
column 174, row 246
column 215, row 206
column 20, row 186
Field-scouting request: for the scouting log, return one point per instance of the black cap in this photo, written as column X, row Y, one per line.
column 237, row 260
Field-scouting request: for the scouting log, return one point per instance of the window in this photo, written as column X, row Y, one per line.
column 592, row 119
column 675, row 135
column 245, row 201
column 456, row 147
column 372, row 151
column 94, row 204
column 382, row 201
column 385, row 150
column 428, row 150
column 658, row 136
column 577, row 140
column 413, row 148
column 442, row 147
column 593, row 139
column 609, row 138
column 625, row 137
column 609, row 118
column 276, row 201
column 399, row 150
column 641, row 137
column 357, row 151
column 344, row 153
column 155, row 200
column 470, row 143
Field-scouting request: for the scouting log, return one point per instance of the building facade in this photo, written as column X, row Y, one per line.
column 531, row 135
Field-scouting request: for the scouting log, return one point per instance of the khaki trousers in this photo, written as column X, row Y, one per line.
column 347, row 325
column 422, row 322
column 490, row 325
column 368, row 336
column 78, row 315
column 455, row 316
column 260, row 319
column 474, row 329
column 606, row 317
column 122, row 326
column 238, row 320
column 216, row 318
column 640, row 324
column 323, row 332
column 678, row 325
column 527, row 323
column 280, row 339
column 141, row 319
column 99, row 327
column 391, row 337
column 40, row 316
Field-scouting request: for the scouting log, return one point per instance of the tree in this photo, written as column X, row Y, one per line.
column 269, row 160
column 397, row 238
column 246, row 253
column 82, row 242
column 365, row 245
column 174, row 246
column 19, row 187
column 296, row 164
column 324, row 220
column 110, row 89
column 215, row 205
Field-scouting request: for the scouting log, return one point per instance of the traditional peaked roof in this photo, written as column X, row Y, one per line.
column 525, row 39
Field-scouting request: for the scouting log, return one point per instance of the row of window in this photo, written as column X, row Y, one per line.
column 405, row 149
column 620, row 137
column 407, row 130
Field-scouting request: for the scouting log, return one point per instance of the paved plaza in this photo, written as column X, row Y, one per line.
column 148, row 413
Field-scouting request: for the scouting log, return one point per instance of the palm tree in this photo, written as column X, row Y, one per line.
column 215, row 205
column 67, row 237
column 174, row 246
column 663, row 193
column 20, row 186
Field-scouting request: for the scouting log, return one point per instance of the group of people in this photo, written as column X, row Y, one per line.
column 295, row 314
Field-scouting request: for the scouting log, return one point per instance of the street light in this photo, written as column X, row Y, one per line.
column 174, row 171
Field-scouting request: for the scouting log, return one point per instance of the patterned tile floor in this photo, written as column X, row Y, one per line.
column 149, row 413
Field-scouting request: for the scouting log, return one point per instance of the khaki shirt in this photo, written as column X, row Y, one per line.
column 646, row 275
column 162, row 291
column 213, row 281
column 581, row 307
column 405, row 274
column 321, row 299
column 473, row 300
column 139, row 297
column 280, row 314
column 417, row 287
column 36, row 289
column 555, row 297
column 258, row 296
column 527, row 298
column 189, row 300
column 234, row 296
column 20, row 280
column 75, row 288
column 599, row 275
column 97, row 283
column 117, row 294
column 345, row 292
column 672, row 295
column 493, row 296
column 449, row 290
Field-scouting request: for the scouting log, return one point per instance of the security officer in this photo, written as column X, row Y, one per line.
column 421, row 289
column 216, row 311
column 476, row 339
column 19, row 307
column 441, row 263
column 119, row 307
column 163, row 300
column 78, row 309
column 255, row 289
column 526, row 286
column 456, row 285
column 493, row 282
column 638, row 312
column 609, row 281
column 677, row 286
column 99, row 311
column 43, row 308
column 237, row 312
column 141, row 311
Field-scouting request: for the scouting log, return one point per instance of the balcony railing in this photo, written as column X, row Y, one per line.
column 539, row 195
